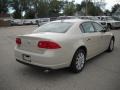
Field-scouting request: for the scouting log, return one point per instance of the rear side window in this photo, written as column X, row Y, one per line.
column 57, row 27
column 88, row 27
column 97, row 27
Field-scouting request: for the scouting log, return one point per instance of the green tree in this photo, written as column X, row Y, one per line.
column 114, row 8
column 54, row 8
column 107, row 12
column 16, row 6
column 30, row 14
column 3, row 6
column 17, row 14
column 69, row 9
column 97, row 12
column 78, row 7
column 42, row 8
column 91, row 8
column 23, row 5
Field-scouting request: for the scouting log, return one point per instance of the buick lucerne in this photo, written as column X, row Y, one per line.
column 63, row 43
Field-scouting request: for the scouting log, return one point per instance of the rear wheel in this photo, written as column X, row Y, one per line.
column 109, row 27
column 78, row 61
column 111, row 45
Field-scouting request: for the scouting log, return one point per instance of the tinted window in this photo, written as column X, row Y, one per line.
column 57, row 27
column 88, row 27
column 97, row 27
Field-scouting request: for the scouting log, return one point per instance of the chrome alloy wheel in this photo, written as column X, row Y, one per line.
column 80, row 60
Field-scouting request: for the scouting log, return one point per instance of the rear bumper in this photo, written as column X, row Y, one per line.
column 29, row 64
column 51, row 61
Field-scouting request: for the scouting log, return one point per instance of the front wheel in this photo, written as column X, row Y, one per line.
column 78, row 61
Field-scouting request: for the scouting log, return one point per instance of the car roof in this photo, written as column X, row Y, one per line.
column 72, row 20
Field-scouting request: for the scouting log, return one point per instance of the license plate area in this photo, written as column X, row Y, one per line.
column 26, row 57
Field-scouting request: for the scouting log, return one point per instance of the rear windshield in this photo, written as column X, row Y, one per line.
column 57, row 27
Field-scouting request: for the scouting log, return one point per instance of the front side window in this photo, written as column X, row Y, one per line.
column 97, row 27
column 55, row 27
column 88, row 27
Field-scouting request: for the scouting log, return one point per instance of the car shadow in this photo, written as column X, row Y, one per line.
column 36, row 72
column 52, row 75
column 96, row 58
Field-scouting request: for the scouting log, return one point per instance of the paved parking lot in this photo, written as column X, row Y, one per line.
column 100, row 73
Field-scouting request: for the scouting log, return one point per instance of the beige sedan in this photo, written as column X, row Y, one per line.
column 63, row 43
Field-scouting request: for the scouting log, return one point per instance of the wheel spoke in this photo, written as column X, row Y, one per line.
column 80, row 61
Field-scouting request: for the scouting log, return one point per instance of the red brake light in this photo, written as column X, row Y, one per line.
column 18, row 41
column 48, row 45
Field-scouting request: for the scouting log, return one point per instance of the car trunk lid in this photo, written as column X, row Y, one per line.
column 30, row 41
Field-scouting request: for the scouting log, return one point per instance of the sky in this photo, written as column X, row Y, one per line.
column 109, row 3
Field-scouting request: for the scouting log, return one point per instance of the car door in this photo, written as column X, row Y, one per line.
column 92, row 39
column 103, row 36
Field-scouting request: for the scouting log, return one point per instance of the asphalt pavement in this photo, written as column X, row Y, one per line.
column 100, row 73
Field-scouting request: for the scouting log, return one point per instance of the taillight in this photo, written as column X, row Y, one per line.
column 48, row 45
column 18, row 41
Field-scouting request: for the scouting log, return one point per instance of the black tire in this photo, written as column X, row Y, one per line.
column 111, row 45
column 109, row 27
column 74, row 64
